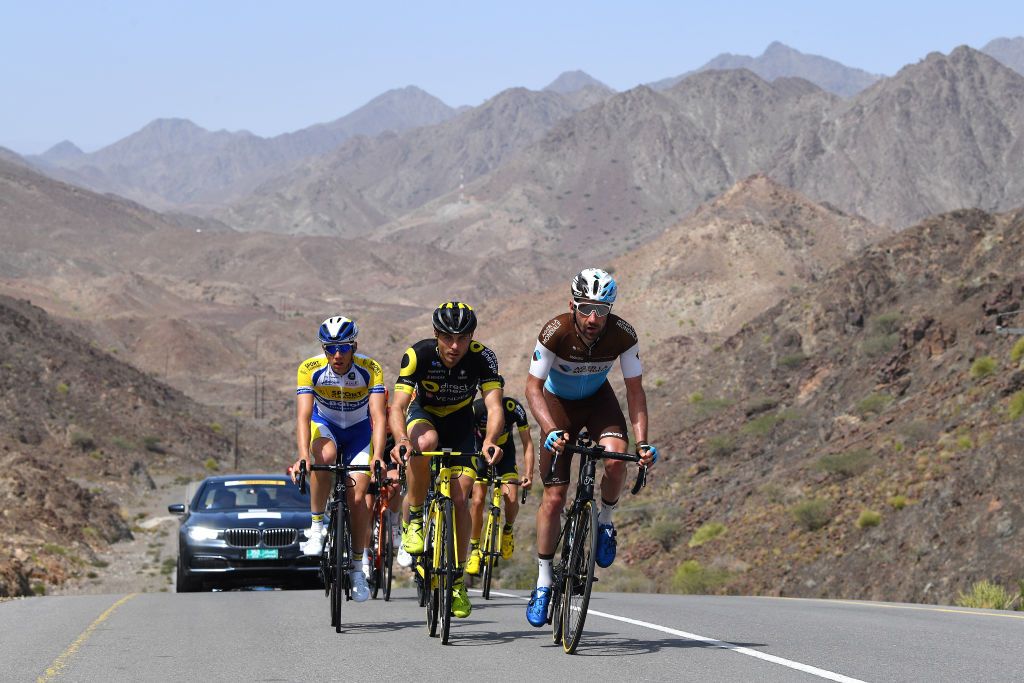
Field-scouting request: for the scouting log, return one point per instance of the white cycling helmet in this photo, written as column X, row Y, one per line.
column 594, row 284
column 338, row 330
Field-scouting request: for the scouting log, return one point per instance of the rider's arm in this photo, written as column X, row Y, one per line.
column 636, row 402
column 495, row 418
column 303, row 413
column 399, row 407
column 378, row 415
column 540, row 366
column 529, row 457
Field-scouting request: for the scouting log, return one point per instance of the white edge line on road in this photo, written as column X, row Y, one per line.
column 806, row 668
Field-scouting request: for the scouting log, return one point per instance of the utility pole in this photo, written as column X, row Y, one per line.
column 236, row 443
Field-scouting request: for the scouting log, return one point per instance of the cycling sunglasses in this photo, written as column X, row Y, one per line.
column 331, row 349
column 586, row 309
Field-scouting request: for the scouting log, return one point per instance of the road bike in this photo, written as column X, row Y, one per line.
column 382, row 549
column 577, row 545
column 490, row 545
column 438, row 567
column 336, row 555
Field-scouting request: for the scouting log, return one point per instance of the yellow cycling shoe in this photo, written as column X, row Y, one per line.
column 412, row 538
column 461, row 607
column 473, row 563
column 508, row 545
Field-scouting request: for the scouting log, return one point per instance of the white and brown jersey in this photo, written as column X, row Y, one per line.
column 570, row 368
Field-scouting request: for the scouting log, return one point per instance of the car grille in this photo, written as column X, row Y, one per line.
column 250, row 538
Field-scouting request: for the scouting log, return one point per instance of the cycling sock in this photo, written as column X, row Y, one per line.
column 357, row 558
column 318, row 522
column 474, row 543
column 605, row 516
column 544, row 577
column 415, row 513
column 507, row 528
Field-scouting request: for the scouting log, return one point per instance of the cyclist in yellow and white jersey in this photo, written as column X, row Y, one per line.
column 340, row 410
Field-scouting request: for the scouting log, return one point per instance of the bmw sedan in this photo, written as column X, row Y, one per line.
column 244, row 530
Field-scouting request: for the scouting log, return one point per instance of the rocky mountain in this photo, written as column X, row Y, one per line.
column 859, row 439
column 79, row 429
column 63, row 152
column 618, row 173
column 782, row 61
column 174, row 162
column 370, row 181
column 573, row 81
column 1009, row 51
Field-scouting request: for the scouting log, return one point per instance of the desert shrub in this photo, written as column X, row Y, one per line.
column 868, row 518
column 848, row 464
column 708, row 406
column 121, row 442
column 762, row 425
column 153, row 445
column 691, row 578
column 879, row 344
column 872, row 404
column 1016, row 405
column 705, row 533
column 63, row 389
column 760, row 404
column 621, row 580
column 215, row 427
column 917, row 432
column 169, row 565
column 812, row 514
column 211, row 465
column 986, row 595
column 983, row 367
column 83, row 440
column 665, row 532
column 1017, row 352
column 898, row 502
column 886, row 323
column 793, row 360
column 55, row 549
column 721, row 445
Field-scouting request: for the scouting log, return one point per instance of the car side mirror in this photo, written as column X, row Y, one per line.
column 176, row 508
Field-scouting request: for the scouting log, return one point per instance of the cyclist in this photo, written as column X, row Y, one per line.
column 444, row 372
column 395, row 501
column 568, row 390
column 515, row 414
column 340, row 409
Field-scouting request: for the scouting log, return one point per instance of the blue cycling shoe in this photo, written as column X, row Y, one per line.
column 537, row 609
column 605, row 545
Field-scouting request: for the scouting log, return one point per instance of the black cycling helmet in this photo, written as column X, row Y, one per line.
column 454, row 317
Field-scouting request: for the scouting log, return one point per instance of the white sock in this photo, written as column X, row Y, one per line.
column 605, row 516
column 318, row 523
column 544, row 577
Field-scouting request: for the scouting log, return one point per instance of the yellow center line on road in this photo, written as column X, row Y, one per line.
column 58, row 665
column 923, row 608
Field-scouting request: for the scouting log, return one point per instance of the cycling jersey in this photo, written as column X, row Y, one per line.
column 514, row 414
column 341, row 400
column 441, row 390
column 572, row 369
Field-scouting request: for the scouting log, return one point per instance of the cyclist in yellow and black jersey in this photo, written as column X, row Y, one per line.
column 444, row 374
column 507, row 470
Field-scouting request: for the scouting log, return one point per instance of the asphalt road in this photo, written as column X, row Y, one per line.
column 286, row 636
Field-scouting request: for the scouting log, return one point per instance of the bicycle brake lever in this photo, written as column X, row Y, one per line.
column 302, row 477
column 641, row 480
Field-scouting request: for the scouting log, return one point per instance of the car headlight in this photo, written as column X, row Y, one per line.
column 200, row 533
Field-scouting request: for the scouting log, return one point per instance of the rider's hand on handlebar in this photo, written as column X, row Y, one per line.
column 526, row 481
column 294, row 469
column 396, row 452
column 556, row 440
column 648, row 454
column 491, row 453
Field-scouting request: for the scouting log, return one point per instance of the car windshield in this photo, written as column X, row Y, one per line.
column 269, row 494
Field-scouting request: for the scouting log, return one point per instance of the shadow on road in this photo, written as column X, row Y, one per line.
column 598, row 644
column 380, row 627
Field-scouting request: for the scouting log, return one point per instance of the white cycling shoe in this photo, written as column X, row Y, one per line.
column 360, row 591
column 404, row 558
column 314, row 545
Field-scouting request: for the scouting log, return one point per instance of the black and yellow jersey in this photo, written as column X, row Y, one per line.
column 441, row 390
column 515, row 414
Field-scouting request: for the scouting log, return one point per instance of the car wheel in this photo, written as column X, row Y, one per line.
column 184, row 582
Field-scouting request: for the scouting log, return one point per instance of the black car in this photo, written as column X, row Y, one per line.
column 244, row 530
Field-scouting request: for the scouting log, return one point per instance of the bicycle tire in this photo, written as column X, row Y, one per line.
column 557, row 584
column 374, row 578
column 579, row 577
column 387, row 561
column 429, row 580
column 338, row 587
column 449, row 566
column 492, row 545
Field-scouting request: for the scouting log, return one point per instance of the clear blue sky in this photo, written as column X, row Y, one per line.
column 93, row 72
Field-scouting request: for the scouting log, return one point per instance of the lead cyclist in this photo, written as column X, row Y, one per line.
column 568, row 391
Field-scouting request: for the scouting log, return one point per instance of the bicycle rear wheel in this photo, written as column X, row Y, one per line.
column 558, row 584
column 491, row 548
column 328, row 560
column 431, row 594
column 579, row 576
column 387, row 558
column 338, row 587
column 374, row 578
column 446, row 575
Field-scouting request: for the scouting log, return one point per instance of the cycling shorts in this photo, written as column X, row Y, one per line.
column 599, row 413
column 454, row 431
column 507, row 469
column 352, row 443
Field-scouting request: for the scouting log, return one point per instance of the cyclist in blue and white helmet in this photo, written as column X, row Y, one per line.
column 338, row 330
column 594, row 284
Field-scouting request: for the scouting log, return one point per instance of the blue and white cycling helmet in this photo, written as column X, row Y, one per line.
column 338, row 330
column 594, row 284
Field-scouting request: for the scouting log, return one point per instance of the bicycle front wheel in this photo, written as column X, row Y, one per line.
column 491, row 548
column 387, row 557
column 376, row 536
column 447, row 567
column 579, row 575
column 338, row 585
column 430, row 577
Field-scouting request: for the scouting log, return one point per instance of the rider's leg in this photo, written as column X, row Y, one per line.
column 614, row 478
column 511, row 494
column 477, row 509
column 324, row 452
column 359, row 511
column 424, row 437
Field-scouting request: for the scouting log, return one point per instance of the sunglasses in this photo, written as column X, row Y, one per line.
column 600, row 309
column 331, row 349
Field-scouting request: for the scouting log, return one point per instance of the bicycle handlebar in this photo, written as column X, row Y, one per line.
column 599, row 453
column 328, row 468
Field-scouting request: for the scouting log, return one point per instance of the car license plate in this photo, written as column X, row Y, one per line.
column 261, row 553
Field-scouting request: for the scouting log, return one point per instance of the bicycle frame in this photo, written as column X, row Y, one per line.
column 490, row 546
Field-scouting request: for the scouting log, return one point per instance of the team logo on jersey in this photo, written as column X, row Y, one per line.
column 564, row 368
column 435, row 363
column 549, row 330
column 626, row 327
column 475, row 346
column 536, row 355
column 351, row 375
column 430, row 386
